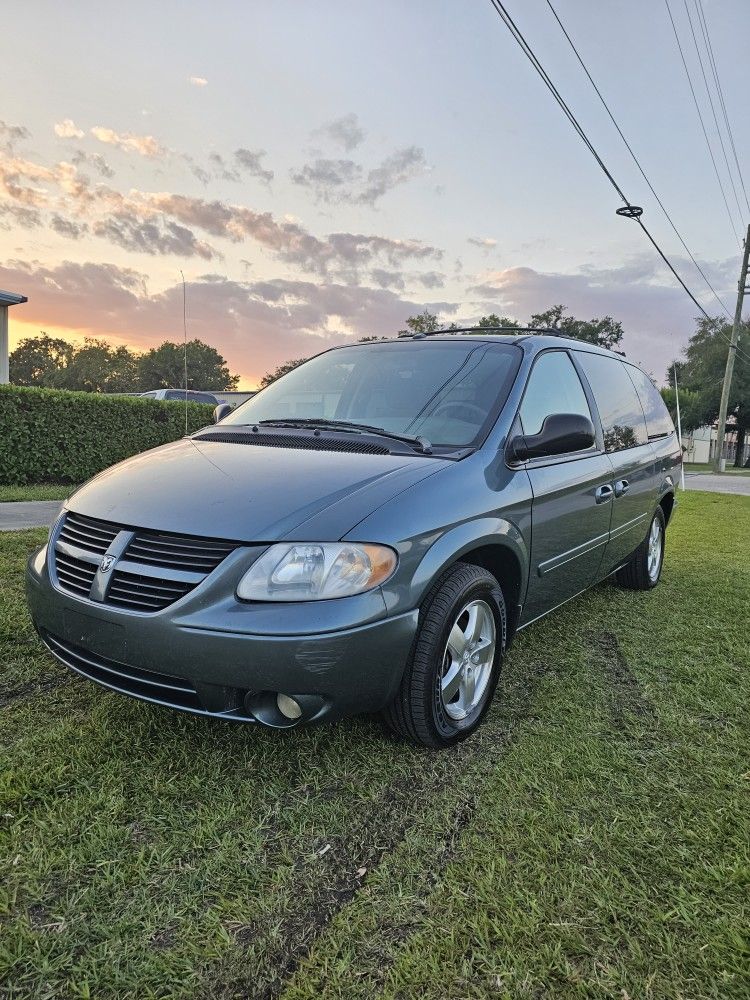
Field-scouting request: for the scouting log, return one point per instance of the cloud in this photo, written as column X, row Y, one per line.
column 330, row 180
column 12, row 134
column 396, row 169
column 198, row 81
column 95, row 160
column 346, row 181
column 483, row 242
column 255, row 325
column 19, row 215
column 158, row 237
column 67, row 129
column 431, row 279
column 67, row 227
column 162, row 222
column 345, row 131
column 128, row 142
column 387, row 279
column 640, row 293
column 249, row 160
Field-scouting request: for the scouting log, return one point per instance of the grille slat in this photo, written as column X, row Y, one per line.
column 75, row 574
column 165, row 559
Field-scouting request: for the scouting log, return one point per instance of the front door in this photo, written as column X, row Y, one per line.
column 572, row 494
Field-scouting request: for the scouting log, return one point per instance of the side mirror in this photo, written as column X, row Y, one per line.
column 561, row 433
column 221, row 411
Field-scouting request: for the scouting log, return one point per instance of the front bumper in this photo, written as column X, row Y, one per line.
column 201, row 655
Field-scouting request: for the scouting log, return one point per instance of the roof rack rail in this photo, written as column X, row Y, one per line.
column 485, row 329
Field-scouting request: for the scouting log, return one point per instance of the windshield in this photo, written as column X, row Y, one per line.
column 448, row 392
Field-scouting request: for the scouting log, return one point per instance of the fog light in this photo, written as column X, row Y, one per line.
column 288, row 707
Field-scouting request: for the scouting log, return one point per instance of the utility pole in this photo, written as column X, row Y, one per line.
column 724, row 405
column 679, row 425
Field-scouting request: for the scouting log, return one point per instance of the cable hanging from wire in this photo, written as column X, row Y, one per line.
column 636, row 160
column 700, row 118
column 629, row 210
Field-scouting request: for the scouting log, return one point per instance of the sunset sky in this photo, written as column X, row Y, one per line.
column 320, row 171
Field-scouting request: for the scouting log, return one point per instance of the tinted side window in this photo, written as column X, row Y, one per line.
column 619, row 407
column 554, row 387
column 202, row 397
column 174, row 394
column 658, row 421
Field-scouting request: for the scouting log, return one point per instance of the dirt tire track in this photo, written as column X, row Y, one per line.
column 628, row 700
column 385, row 824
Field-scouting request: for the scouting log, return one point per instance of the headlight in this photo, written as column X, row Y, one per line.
column 315, row 572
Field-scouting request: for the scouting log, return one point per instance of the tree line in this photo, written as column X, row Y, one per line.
column 96, row 366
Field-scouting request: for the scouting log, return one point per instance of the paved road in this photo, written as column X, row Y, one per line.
column 727, row 483
column 29, row 514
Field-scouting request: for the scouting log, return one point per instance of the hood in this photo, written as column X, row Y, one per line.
column 248, row 493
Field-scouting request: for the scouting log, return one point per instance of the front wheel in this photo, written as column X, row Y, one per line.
column 453, row 671
column 644, row 569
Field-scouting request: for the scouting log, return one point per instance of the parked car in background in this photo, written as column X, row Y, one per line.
column 367, row 533
column 193, row 396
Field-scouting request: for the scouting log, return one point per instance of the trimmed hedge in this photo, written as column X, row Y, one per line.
column 53, row 436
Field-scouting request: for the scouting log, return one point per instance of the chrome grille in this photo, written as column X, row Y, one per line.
column 151, row 570
column 131, row 590
column 199, row 555
column 75, row 574
column 88, row 533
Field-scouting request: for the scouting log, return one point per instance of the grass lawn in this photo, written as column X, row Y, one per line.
column 35, row 491
column 593, row 841
column 707, row 467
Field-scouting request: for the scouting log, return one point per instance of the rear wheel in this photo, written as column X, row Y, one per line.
column 455, row 663
column 644, row 569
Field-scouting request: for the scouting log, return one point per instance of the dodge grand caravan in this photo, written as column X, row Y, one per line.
column 367, row 533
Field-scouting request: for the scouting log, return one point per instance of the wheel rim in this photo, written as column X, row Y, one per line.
column 654, row 550
column 468, row 659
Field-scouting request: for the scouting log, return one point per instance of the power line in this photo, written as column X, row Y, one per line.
column 529, row 53
column 713, row 109
column 636, row 160
column 715, row 71
column 634, row 211
column 700, row 116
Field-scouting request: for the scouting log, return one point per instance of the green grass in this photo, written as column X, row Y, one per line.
column 37, row 491
column 590, row 842
column 707, row 467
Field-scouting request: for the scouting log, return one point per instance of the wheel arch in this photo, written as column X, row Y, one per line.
column 667, row 503
column 492, row 543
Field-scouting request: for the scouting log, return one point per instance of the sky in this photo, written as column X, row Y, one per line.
column 319, row 172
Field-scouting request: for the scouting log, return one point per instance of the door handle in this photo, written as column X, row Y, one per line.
column 621, row 487
column 604, row 494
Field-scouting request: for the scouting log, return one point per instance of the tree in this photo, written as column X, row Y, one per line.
column 424, row 322
column 493, row 320
column 40, row 361
column 97, row 367
column 703, row 373
column 163, row 367
column 606, row 332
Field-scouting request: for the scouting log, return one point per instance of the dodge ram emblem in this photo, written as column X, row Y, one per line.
column 106, row 564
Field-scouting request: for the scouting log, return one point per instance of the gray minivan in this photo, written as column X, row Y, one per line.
column 367, row 533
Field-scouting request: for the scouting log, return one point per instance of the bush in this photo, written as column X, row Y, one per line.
column 47, row 435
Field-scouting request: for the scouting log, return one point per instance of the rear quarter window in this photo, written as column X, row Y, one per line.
column 620, row 409
column 658, row 421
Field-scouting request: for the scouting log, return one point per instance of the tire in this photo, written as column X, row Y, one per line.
column 426, row 710
column 642, row 573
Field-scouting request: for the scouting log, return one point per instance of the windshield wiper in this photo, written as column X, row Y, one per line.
column 416, row 441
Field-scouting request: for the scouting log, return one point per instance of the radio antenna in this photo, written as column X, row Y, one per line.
column 184, row 339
